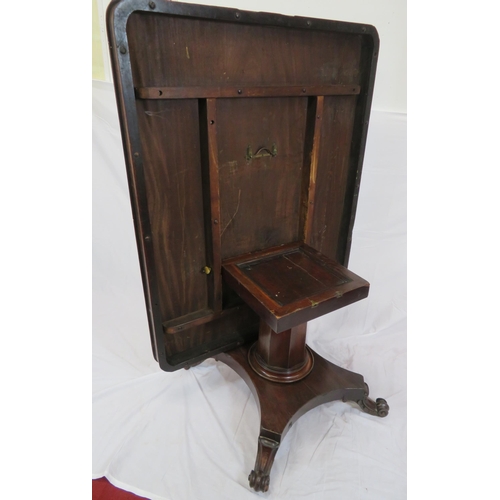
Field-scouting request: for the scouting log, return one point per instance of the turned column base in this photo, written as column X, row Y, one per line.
column 281, row 375
column 281, row 357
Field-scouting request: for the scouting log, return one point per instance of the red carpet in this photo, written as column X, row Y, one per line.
column 102, row 489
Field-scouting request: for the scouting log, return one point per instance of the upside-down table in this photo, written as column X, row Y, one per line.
column 244, row 136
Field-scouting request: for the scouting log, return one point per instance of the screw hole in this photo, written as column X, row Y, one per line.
column 211, row 122
column 160, row 92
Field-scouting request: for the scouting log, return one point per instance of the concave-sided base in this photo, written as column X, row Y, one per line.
column 283, row 404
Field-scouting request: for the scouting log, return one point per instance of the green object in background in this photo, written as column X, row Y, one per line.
column 97, row 57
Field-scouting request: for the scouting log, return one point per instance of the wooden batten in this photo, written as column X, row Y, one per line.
column 243, row 91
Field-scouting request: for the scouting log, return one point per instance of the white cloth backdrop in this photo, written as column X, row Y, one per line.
column 192, row 434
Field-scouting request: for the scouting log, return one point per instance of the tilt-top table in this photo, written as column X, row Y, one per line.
column 244, row 136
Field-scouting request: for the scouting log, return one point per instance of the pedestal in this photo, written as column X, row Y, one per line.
column 287, row 286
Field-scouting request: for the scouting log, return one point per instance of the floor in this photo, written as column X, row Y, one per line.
column 102, row 489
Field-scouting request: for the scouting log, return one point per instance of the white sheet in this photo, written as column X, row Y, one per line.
column 193, row 434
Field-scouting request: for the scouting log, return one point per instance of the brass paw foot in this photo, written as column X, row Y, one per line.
column 379, row 408
column 259, row 477
column 258, row 481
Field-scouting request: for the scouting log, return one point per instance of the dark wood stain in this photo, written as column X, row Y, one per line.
column 260, row 198
column 311, row 162
column 242, row 91
column 171, row 159
column 244, row 136
column 197, row 86
column 331, row 180
column 187, row 52
column 211, row 195
column 288, row 287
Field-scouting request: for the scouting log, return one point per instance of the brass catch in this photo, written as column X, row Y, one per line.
column 206, row 270
column 261, row 152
